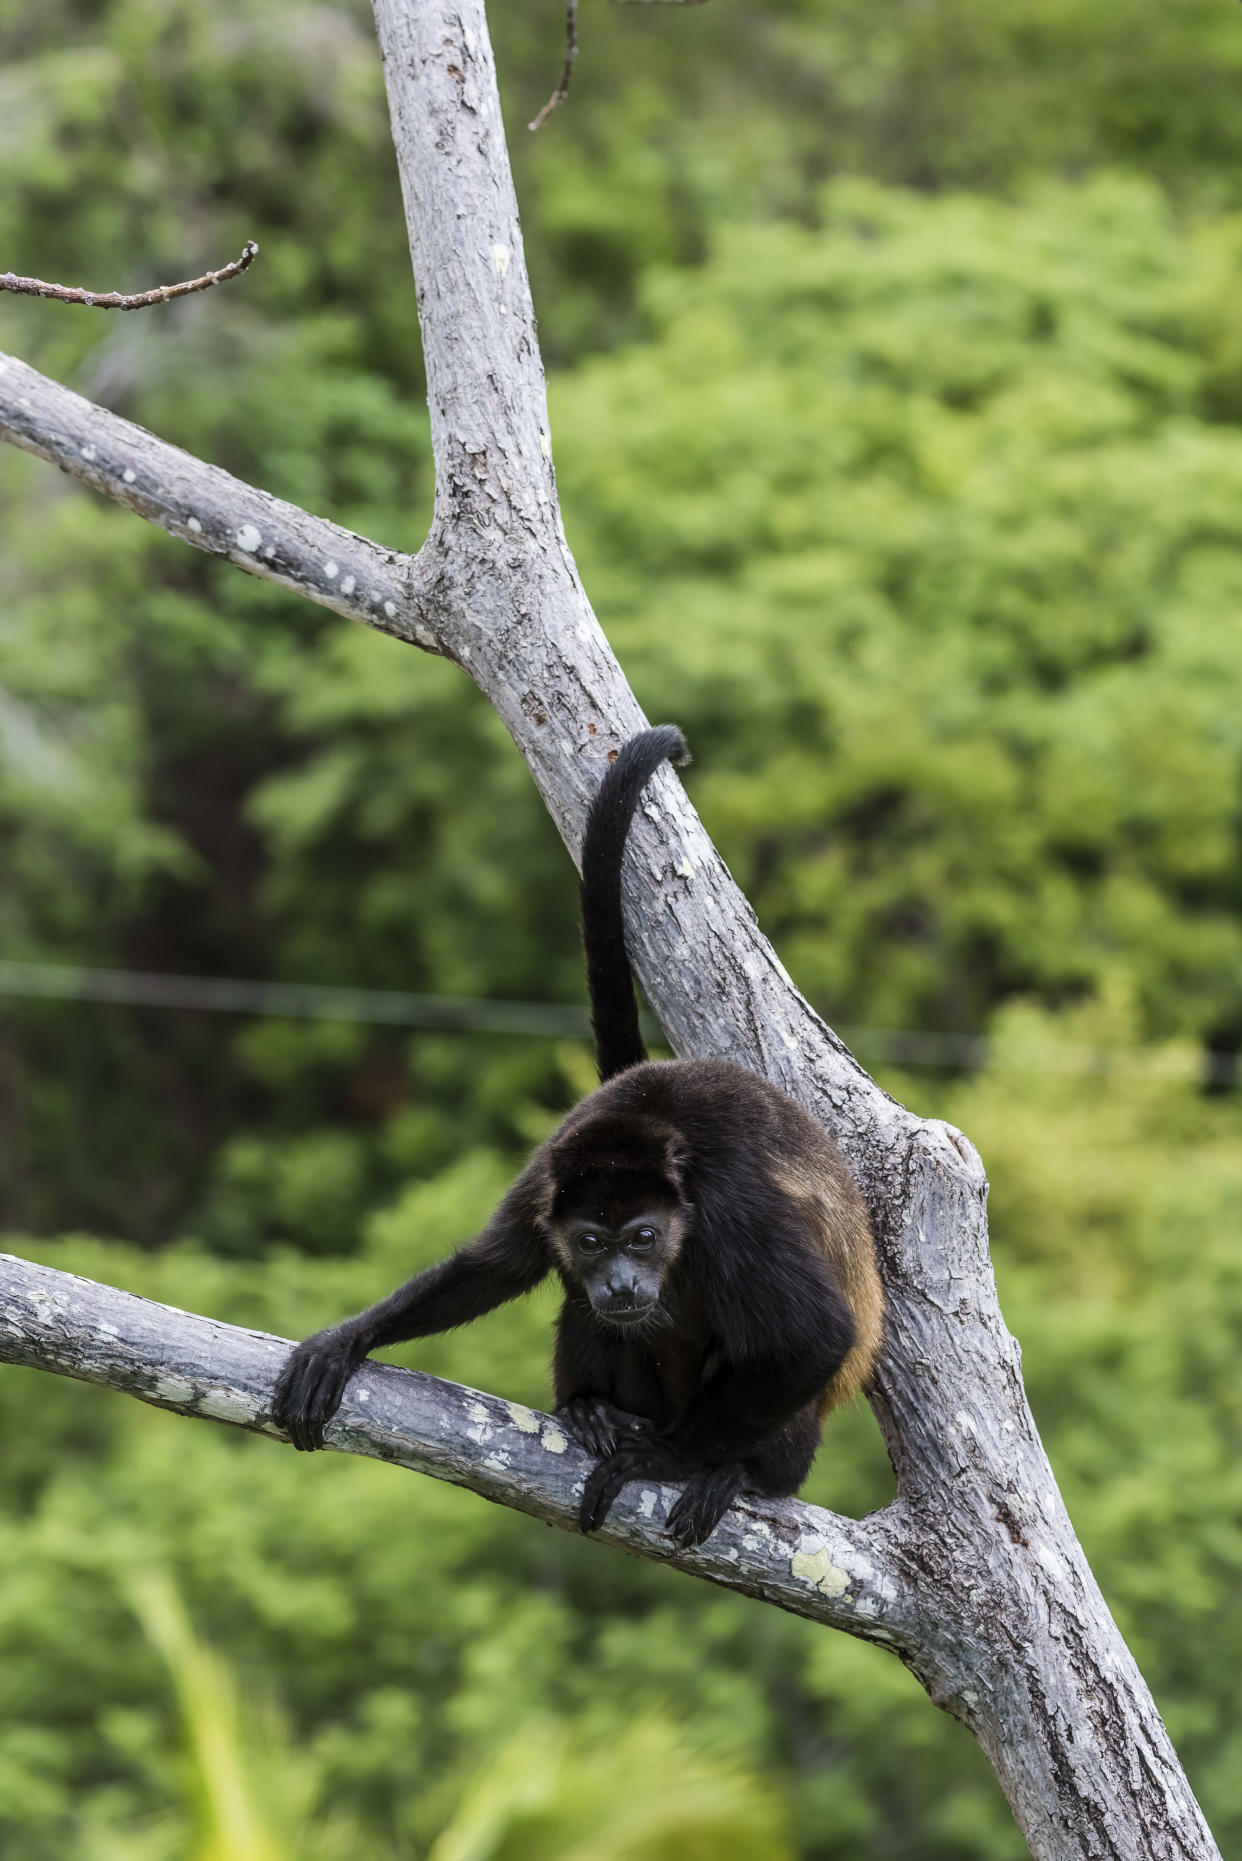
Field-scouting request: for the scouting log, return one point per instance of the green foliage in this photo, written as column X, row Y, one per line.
column 546, row 1797
column 926, row 525
column 923, row 523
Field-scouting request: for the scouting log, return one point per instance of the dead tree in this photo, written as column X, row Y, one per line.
column 973, row 1575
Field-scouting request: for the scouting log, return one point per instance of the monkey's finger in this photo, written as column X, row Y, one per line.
column 335, row 1370
column 590, row 1423
column 692, row 1520
column 703, row 1502
column 603, row 1485
column 289, row 1398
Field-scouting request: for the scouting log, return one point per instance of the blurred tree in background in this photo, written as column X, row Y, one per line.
column 898, row 412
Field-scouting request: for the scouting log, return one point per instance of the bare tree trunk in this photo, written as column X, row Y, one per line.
column 973, row 1575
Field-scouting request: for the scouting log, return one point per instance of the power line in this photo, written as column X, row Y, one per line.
column 557, row 1020
column 295, row 1000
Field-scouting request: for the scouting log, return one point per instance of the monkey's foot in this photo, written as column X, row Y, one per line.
column 642, row 1459
column 599, row 1426
column 705, row 1498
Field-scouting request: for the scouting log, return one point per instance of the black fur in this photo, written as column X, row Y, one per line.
column 614, row 1013
column 704, row 1318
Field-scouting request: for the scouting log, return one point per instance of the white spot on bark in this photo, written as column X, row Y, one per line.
column 647, row 1504
column 500, row 259
column 811, row 1564
column 790, row 1039
column 1052, row 1563
column 477, row 1412
column 523, row 1418
column 555, row 1441
column 348, row 585
column 174, row 1389
column 390, row 608
column 249, row 539
column 965, row 1422
column 89, row 454
column 331, row 570
column 686, row 868
column 545, row 443
column 129, row 474
column 195, row 525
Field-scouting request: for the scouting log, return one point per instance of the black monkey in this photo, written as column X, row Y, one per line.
column 721, row 1291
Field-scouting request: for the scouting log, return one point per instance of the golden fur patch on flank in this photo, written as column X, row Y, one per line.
column 830, row 1205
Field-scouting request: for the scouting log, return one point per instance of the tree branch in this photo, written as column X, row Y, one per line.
column 136, row 300
column 215, row 512
column 567, row 68
column 806, row 1560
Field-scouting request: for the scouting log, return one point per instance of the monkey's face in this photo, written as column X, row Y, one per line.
column 621, row 1265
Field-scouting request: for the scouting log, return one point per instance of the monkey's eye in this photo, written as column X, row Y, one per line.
column 645, row 1237
column 590, row 1243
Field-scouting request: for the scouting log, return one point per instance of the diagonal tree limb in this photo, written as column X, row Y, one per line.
column 1011, row 1633
column 835, row 1570
column 215, row 512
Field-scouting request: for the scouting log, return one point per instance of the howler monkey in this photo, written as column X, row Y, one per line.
column 721, row 1292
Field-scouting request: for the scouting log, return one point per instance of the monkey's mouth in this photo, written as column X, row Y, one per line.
column 625, row 1316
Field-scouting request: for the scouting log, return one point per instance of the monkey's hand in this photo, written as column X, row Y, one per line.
column 599, row 1426
column 705, row 1498
column 309, row 1390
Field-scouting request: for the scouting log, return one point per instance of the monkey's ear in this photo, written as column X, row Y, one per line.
column 676, row 1161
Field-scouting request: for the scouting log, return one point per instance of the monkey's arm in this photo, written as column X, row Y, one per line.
column 506, row 1260
column 588, row 1378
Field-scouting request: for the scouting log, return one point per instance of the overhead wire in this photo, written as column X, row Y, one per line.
column 913, row 1047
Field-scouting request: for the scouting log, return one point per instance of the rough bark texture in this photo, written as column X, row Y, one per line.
column 974, row 1575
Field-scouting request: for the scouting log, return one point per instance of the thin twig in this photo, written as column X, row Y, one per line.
column 567, row 69
column 119, row 300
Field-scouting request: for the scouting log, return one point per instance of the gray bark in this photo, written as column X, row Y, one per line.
column 974, row 1574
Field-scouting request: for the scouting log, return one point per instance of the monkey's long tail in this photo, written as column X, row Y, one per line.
column 614, row 1011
